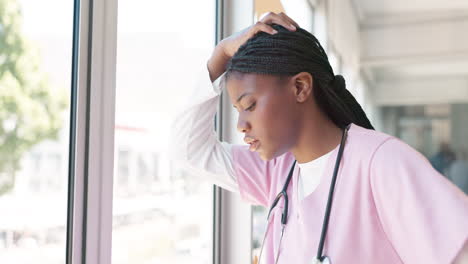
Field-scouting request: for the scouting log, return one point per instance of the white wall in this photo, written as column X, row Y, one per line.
column 417, row 42
column 429, row 90
column 344, row 40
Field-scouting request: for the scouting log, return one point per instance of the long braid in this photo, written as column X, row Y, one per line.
column 290, row 52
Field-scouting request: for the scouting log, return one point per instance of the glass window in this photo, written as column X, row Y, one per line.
column 159, row 214
column 35, row 76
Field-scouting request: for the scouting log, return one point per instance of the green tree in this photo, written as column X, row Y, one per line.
column 30, row 110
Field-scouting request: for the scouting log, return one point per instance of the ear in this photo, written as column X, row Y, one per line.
column 302, row 85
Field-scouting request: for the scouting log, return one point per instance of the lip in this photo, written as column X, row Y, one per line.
column 249, row 140
column 254, row 145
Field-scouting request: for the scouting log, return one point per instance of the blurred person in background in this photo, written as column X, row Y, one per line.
column 458, row 171
column 443, row 158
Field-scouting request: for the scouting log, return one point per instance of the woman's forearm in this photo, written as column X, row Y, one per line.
column 217, row 62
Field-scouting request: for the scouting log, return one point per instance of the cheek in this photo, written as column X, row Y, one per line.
column 276, row 125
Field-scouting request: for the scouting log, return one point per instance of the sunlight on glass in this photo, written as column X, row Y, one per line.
column 35, row 68
column 160, row 214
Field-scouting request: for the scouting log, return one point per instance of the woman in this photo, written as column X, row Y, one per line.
column 388, row 203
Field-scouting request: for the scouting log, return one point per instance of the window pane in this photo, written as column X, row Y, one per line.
column 35, row 71
column 160, row 214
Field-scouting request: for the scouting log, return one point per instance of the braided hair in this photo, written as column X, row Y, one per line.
column 290, row 52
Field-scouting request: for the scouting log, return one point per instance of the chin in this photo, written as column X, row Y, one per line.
column 266, row 156
column 269, row 155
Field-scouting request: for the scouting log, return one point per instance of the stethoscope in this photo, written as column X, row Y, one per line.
column 320, row 258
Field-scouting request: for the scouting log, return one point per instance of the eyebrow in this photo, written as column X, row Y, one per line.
column 242, row 96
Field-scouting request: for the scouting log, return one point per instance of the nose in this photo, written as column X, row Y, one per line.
column 242, row 125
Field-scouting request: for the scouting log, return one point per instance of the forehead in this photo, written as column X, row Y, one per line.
column 238, row 84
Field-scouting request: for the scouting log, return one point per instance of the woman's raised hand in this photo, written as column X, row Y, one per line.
column 227, row 47
column 232, row 43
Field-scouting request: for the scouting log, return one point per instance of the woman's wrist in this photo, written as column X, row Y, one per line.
column 217, row 63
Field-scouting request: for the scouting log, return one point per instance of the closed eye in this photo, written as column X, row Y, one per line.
column 250, row 107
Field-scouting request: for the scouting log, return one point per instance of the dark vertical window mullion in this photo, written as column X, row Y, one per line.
column 87, row 133
column 217, row 192
column 72, row 133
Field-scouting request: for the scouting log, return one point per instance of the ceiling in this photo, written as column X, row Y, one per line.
column 405, row 7
column 411, row 40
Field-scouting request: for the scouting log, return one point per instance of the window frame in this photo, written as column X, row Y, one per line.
column 91, row 166
column 89, row 235
column 235, row 230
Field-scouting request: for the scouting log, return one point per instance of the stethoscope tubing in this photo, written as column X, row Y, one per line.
column 326, row 218
column 319, row 258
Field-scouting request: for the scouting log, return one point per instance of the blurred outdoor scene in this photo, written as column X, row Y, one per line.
column 35, row 70
column 160, row 215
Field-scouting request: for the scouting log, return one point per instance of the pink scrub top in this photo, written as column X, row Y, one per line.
column 389, row 205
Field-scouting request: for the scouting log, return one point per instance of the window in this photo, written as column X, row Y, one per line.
column 160, row 216
column 35, row 76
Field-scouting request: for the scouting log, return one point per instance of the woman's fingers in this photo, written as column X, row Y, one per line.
column 289, row 19
column 260, row 26
column 231, row 44
column 280, row 19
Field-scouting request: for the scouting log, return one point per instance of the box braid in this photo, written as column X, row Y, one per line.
column 290, row 52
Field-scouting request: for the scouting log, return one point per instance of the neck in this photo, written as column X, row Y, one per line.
column 318, row 136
